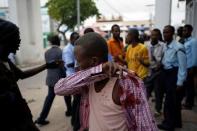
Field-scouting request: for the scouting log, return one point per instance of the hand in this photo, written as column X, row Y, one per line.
column 140, row 59
column 110, row 68
column 116, row 58
column 158, row 67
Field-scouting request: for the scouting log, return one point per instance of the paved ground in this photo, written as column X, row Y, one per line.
column 34, row 90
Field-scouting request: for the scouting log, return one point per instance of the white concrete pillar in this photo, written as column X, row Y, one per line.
column 26, row 14
column 191, row 16
column 162, row 13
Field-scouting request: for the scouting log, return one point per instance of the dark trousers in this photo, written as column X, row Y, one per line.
column 48, row 103
column 159, row 92
column 75, row 121
column 189, row 89
column 172, row 104
column 154, row 83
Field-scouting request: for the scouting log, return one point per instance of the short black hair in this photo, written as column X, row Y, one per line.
column 93, row 44
column 54, row 40
column 72, row 35
column 189, row 27
column 180, row 28
column 115, row 25
column 9, row 33
column 171, row 28
column 88, row 30
column 159, row 32
column 135, row 33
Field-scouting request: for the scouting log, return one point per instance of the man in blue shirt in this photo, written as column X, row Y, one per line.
column 69, row 64
column 191, row 53
column 174, row 74
column 68, row 54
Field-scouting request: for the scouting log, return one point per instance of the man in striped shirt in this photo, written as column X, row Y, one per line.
column 127, row 96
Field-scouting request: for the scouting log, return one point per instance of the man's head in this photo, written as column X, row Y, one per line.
column 180, row 31
column 88, row 30
column 90, row 50
column 9, row 38
column 73, row 37
column 132, row 36
column 156, row 36
column 187, row 31
column 54, row 40
column 115, row 30
column 168, row 33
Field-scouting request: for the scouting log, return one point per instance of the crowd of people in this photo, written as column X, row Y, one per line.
column 110, row 82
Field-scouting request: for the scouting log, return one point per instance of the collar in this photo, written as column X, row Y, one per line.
column 158, row 44
column 188, row 39
column 54, row 46
column 171, row 44
column 71, row 44
column 114, row 40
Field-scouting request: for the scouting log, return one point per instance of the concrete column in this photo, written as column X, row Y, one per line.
column 191, row 15
column 26, row 14
column 162, row 13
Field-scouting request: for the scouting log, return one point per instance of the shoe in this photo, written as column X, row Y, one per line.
column 41, row 123
column 164, row 127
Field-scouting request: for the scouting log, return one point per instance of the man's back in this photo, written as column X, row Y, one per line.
column 53, row 75
column 69, row 59
column 191, row 47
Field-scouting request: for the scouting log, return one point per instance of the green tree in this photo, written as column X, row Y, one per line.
column 65, row 12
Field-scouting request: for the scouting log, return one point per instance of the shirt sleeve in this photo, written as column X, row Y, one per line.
column 194, row 53
column 67, row 57
column 182, row 71
column 74, row 83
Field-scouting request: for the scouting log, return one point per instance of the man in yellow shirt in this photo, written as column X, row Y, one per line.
column 137, row 55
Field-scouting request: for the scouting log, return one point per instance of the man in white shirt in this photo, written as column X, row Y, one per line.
column 153, row 81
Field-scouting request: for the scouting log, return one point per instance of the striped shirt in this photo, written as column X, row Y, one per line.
column 132, row 97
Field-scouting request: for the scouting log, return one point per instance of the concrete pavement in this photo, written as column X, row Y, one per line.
column 34, row 91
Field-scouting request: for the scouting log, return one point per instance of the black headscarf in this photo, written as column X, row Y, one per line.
column 8, row 31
